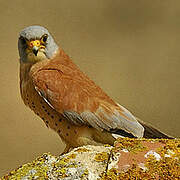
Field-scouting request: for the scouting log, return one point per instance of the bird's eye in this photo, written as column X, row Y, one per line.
column 23, row 40
column 44, row 38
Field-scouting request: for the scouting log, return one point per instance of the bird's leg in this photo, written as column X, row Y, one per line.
column 82, row 141
column 103, row 137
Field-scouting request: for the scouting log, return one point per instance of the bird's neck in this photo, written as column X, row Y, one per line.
column 24, row 70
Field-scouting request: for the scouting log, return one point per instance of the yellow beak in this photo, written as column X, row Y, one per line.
column 34, row 46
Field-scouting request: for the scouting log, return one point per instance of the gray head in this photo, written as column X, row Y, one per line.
column 35, row 43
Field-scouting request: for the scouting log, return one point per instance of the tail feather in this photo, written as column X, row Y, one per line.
column 149, row 132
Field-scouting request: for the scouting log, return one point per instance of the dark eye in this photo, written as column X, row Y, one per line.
column 44, row 38
column 23, row 40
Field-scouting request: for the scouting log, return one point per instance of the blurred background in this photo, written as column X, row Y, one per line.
column 129, row 48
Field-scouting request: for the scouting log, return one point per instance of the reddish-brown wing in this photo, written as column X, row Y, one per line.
column 72, row 93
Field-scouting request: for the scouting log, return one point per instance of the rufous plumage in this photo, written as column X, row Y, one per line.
column 67, row 100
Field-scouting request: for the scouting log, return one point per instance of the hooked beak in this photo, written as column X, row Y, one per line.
column 34, row 46
column 35, row 50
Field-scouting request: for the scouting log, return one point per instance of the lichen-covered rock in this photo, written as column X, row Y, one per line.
column 128, row 159
column 144, row 159
column 87, row 162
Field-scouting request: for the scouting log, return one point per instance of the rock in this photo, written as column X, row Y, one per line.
column 128, row 159
column 144, row 159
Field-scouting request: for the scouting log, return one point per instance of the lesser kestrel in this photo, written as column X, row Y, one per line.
column 66, row 99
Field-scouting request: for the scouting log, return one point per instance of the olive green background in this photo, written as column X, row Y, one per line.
column 130, row 48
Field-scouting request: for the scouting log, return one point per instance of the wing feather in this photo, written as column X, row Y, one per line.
column 73, row 94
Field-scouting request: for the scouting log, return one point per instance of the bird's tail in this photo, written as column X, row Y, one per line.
column 151, row 132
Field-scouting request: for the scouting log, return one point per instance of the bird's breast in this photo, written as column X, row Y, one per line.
column 56, row 121
column 31, row 57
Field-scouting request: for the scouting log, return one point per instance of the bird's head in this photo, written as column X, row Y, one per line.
column 35, row 44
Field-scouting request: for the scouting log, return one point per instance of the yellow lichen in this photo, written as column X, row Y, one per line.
column 100, row 157
column 71, row 156
column 62, row 172
column 132, row 145
column 86, row 172
column 38, row 166
column 111, row 174
column 82, row 150
column 168, row 167
column 107, row 145
column 65, row 160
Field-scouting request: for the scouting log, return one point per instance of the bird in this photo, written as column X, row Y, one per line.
column 67, row 100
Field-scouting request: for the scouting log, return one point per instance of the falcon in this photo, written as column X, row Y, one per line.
column 67, row 100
